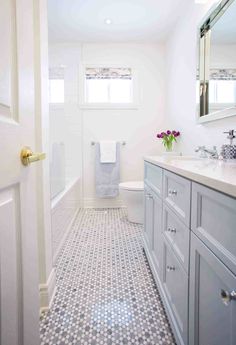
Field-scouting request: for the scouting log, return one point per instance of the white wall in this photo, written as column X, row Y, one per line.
column 181, row 55
column 137, row 127
column 223, row 56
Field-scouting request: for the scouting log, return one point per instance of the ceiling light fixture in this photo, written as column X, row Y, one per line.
column 108, row 21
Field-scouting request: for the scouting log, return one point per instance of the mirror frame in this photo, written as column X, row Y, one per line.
column 203, row 40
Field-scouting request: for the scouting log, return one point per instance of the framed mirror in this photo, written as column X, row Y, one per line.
column 216, row 70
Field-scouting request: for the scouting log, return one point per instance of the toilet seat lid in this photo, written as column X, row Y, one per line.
column 132, row 185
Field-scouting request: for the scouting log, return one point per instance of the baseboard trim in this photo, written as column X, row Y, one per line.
column 55, row 256
column 47, row 292
column 102, row 203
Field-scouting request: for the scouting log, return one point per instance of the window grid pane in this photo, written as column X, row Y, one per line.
column 56, row 91
column 222, row 91
column 108, row 85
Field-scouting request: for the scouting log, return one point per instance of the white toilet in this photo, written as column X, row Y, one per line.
column 132, row 194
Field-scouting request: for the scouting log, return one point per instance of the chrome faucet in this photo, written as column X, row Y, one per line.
column 204, row 153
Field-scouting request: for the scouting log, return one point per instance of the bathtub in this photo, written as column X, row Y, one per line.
column 64, row 207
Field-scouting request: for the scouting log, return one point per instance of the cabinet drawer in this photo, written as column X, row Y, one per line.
column 153, row 177
column 214, row 221
column 177, row 193
column 211, row 315
column 177, row 235
column 175, row 285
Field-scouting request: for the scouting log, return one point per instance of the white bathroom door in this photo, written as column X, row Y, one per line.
column 19, row 297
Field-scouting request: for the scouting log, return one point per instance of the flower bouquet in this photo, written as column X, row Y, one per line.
column 168, row 138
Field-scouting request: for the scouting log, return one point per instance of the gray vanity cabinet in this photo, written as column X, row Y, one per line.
column 152, row 228
column 212, row 312
column 157, row 234
column 148, row 218
column 177, row 235
column 177, row 193
column 153, row 178
column 175, row 285
column 190, row 242
column 214, row 222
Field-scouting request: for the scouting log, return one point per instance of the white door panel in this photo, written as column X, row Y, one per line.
column 19, row 300
column 11, row 279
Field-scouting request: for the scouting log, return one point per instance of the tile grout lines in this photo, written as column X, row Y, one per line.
column 106, row 294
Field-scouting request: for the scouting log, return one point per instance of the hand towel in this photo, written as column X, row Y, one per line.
column 107, row 151
column 107, row 176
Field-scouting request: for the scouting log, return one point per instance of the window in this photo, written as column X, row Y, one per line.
column 222, row 86
column 56, row 85
column 108, row 85
column 222, row 91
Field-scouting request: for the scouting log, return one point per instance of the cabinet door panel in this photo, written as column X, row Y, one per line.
column 211, row 321
column 153, row 177
column 177, row 193
column 177, row 235
column 175, row 284
column 148, row 218
column 214, row 221
column 157, row 233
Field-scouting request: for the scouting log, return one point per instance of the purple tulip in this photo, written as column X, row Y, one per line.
column 168, row 135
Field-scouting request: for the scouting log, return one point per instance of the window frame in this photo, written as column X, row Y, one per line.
column 51, row 76
column 82, row 88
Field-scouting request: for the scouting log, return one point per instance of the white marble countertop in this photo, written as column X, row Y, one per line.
column 216, row 174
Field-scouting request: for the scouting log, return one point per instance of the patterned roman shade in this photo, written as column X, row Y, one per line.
column 108, row 73
column 223, row 74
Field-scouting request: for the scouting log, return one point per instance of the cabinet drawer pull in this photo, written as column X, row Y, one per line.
column 227, row 297
column 172, row 230
column 149, row 196
column 172, row 192
column 170, row 268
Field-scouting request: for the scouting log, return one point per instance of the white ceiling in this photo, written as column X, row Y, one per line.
column 132, row 20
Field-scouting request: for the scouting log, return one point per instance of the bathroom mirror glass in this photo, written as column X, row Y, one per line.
column 216, row 72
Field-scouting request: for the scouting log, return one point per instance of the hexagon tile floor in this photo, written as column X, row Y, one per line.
column 105, row 290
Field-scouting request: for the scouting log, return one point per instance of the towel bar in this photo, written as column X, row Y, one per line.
column 123, row 143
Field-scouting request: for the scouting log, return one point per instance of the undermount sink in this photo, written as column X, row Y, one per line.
column 187, row 158
column 183, row 158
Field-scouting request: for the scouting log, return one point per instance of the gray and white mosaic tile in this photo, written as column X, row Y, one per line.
column 106, row 294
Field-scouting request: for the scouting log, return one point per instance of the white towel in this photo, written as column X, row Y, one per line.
column 107, row 151
column 107, row 176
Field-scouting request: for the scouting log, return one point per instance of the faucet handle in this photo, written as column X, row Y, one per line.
column 230, row 132
column 231, row 135
column 200, row 148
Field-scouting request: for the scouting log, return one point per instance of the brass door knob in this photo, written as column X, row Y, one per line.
column 27, row 156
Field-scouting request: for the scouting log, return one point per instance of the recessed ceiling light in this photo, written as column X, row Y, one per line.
column 108, row 21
